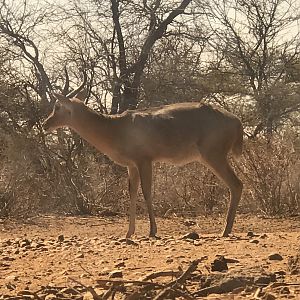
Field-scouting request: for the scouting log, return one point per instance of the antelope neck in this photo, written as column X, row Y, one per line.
column 97, row 129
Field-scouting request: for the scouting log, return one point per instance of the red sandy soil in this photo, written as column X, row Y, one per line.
column 65, row 251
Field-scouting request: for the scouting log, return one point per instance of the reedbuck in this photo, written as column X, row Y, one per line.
column 178, row 134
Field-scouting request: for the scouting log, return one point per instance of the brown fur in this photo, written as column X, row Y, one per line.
column 178, row 134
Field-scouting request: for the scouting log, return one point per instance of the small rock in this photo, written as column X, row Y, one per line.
column 250, row 234
column 25, row 243
column 81, row 255
column 280, row 273
column 275, row 256
column 116, row 274
column 197, row 243
column 7, row 242
column 191, row 236
column 27, row 247
column 105, row 271
column 49, row 272
column 285, row 290
column 40, row 245
column 4, row 266
column 60, row 238
column 120, row 264
column 43, row 249
column 8, row 258
column 189, row 223
column 219, row 264
column 263, row 236
column 169, row 260
column 254, row 241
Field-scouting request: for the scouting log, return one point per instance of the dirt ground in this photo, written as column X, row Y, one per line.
column 47, row 257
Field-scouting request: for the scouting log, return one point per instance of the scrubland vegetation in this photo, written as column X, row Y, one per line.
column 241, row 55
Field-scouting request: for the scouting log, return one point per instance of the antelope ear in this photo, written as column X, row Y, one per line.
column 60, row 97
column 63, row 100
column 82, row 95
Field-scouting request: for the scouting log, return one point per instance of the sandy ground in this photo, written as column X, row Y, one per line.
column 55, row 251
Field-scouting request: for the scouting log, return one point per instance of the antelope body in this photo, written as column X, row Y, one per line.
column 177, row 134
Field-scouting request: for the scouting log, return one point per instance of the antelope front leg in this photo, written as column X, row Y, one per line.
column 145, row 170
column 134, row 180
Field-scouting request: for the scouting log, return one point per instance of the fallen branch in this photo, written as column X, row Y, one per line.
column 187, row 274
column 162, row 274
column 168, row 289
column 171, row 288
column 173, row 292
column 103, row 282
column 88, row 288
column 226, row 286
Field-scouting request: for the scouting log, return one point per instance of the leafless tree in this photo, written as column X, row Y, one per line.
column 132, row 28
column 257, row 42
column 18, row 24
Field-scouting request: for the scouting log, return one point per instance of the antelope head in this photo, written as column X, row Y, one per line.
column 64, row 106
column 61, row 115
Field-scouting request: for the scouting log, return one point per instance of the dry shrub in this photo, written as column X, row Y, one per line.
column 32, row 178
column 61, row 174
column 188, row 190
column 108, row 194
column 270, row 172
column 37, row 178
column 271, row 176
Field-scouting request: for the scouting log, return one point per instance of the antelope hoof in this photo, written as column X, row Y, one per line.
column 155, row 237
column 129, row 234
column 153, row 234
column 226, row 233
